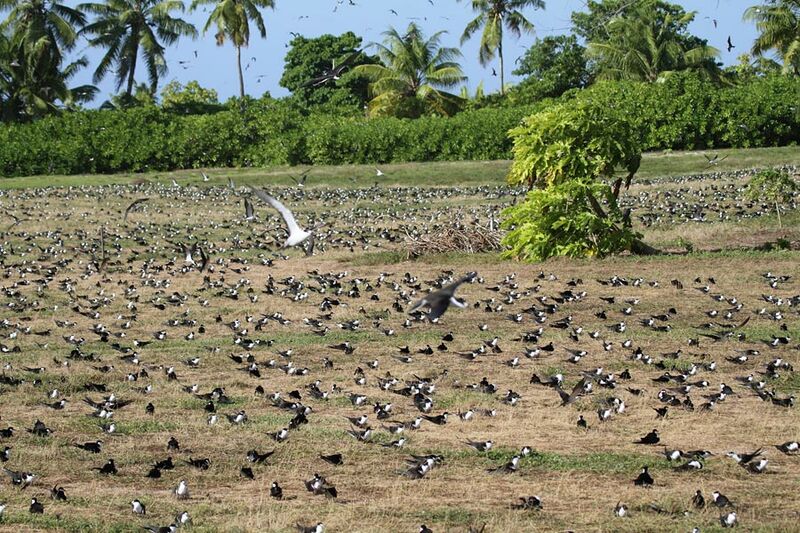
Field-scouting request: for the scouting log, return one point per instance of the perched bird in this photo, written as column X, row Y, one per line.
column 108, row 469
column 254, row 457
column 720, row 500
column 644, row 478
column 334, row 459
column 138, row 507
column 698, row 501
column 481, row 446
column 316, row 528
column 172, row 528
column 182, row 490
column 791, row 447
column 621, row 510
column 529, row 503
column 728, row 520
column 650, row 438
column 276, row 491
column 36, row 507
column 93, row 447
column 20, row 479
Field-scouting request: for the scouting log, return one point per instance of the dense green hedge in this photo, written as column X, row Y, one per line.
column 481, row 134
column 684, row 112
column 687, row 112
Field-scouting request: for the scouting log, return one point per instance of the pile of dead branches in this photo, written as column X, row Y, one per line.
column 463, row 239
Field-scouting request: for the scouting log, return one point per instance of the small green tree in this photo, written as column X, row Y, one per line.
column 189, row 98
column 774, row 186
column 569, row 155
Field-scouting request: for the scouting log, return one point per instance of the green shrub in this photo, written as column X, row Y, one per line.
column 569, row 154
column 480, row 134
column 772, row 186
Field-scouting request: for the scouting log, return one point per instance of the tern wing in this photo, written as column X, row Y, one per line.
column 134, row 204
column 287, row 215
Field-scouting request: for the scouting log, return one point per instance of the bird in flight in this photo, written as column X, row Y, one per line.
column 301, row 181
column 716, row 160
column 440, row 300
column 133, row 204
column 297, row 235
column 333, row 73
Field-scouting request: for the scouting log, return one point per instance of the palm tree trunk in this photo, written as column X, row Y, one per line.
column 132, row 71
column 502, row 74
column 241, row 76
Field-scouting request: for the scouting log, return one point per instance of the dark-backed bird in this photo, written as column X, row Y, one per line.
column 644, row 479
column 650, row 438
column 439, row 301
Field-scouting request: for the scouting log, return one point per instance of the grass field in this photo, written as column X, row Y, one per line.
column 580, row 475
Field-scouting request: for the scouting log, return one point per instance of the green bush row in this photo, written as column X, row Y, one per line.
column 684, row 112
column 687, row 112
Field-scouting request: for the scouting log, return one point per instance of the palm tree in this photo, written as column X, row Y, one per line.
column 126, row 27
column 232, row 18
column 642, row 47
column 34, row 81
column 779, row 25
column 493, row 16
column 406, row 83
column 43, row 27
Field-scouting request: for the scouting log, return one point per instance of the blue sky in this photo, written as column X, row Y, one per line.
column 214, row 67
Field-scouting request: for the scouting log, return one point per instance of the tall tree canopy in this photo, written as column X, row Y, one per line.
column 650, row 41
column 33, row 73
column 308, row 57
column 552, row 66
column 413, row 72
column 124, row 28
column 494, row 16
column 232, row 19
column 778, row 23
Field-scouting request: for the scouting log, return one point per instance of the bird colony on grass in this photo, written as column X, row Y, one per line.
column 171, row 360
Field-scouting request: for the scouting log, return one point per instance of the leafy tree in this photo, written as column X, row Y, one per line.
column 189, row 98
column 493, row 17
column 778, row 22
column 749, row 68
column 774, row 186
column 646, row 45
column 127, row 27
column 232, row 18
column 569, row 154
column 592, row 25
column 308, row 57
column 34, row 77
column 552, row 66
column 413, row 68
column 142, row 96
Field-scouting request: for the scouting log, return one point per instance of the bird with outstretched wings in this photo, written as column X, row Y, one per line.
column 333, row 73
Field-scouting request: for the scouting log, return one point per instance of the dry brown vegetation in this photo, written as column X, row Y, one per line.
column 580, row 475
